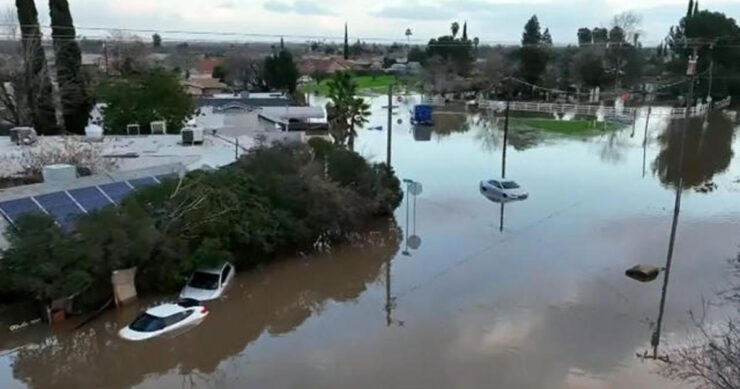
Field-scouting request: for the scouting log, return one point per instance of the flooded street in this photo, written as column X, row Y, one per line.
column 529, row 294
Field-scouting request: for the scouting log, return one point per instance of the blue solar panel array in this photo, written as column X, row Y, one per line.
column 61, row 206
column 117, row 191
column 65, row 206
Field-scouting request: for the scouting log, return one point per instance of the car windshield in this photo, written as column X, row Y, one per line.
column 147, row 323
column 204, row 281
column 510, row 185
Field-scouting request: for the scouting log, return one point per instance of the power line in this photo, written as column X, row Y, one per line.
column 319, row 37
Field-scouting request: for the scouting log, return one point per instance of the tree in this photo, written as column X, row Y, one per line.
column 156, row 41
column 533, row 56
column 155, row 94
column 220, row 72
column 346, row 42
column 584, row 36
column 345, row 110
column 709, row 27
column 465, row 31
column 38, row 89
column 76, row 103
column 457, row 54
column 629, row 23
column 589, row 67
column 546, row 38
column 600, row 35
column 14, row 107
column 281, row 71
column 616, row 35
column 690, row 9
column 416, row 54
column 127, row 54
column 532, row 34
column 476, row 42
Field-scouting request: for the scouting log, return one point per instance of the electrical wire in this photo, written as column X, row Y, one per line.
column 309, row 36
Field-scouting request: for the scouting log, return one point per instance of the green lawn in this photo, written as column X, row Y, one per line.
column 575, row 126
column 377, row 84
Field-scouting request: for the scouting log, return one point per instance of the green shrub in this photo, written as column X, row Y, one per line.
column 273, row 200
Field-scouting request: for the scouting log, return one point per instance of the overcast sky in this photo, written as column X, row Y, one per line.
column 492, row 21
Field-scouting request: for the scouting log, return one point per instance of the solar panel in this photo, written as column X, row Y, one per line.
column 61, row 206
column 143, row 182
column 117, row 191
column 90, row 198
column 13, row 209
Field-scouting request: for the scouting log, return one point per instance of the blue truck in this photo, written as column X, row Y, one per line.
column 422, row 115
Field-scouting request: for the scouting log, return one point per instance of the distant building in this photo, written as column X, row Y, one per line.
column 204, row 86
column 323, row 65
column 413, row 68
column 205, row 66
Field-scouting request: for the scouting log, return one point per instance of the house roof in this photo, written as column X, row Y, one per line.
column 206, row 83
column 242, row 102
column 206, row 64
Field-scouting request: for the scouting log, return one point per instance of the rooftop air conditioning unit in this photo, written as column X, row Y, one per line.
column 159, row 127
column 133, row 129
column 192, row 135
column 59, row 173
column 23, row 135
column 94, row 133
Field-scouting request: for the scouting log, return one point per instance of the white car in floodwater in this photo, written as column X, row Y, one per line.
column 504, row 189
column 208, row 283
column 164, row 318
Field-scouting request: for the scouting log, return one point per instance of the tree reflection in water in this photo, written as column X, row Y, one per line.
column 274, row 300
column 708, row 151
column 491, row 133
column 447, row 123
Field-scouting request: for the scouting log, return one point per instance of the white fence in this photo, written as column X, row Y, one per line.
column 598, row 111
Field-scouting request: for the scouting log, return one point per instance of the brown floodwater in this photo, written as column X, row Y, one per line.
column 458, row 291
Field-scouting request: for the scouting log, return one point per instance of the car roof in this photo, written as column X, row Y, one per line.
column 212, row 269
column 165, row 310
column 500, row 180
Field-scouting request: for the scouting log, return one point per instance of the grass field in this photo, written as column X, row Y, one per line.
column 377, row 84
column 566, row 126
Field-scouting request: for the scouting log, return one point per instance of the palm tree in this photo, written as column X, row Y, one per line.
column 455, row 28
column 344, row 110
column 358, row 114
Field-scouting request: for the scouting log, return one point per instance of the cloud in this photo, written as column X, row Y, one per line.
column 414, row 13
column 303, row 7
column 226, row 4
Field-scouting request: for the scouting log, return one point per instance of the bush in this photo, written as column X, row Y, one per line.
column 273, row 200
column 43, row 261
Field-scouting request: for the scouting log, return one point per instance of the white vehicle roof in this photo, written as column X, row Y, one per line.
column 165, row 310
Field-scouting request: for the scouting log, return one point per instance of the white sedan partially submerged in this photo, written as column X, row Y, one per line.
column 503, row 189
column 208, row 283
column 164, row 318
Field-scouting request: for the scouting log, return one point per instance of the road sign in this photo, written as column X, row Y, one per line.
column 415, row 188
column 414, row 242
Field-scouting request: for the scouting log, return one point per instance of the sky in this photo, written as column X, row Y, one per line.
column 492, row 21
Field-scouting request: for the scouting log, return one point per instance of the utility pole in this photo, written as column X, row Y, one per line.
column 506, row 136
column 390, row 125
column 645, row 139
column 105, row 56
column 388, row 298
column 691, row 73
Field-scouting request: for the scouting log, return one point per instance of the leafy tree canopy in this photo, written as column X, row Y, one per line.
column 155, row 94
